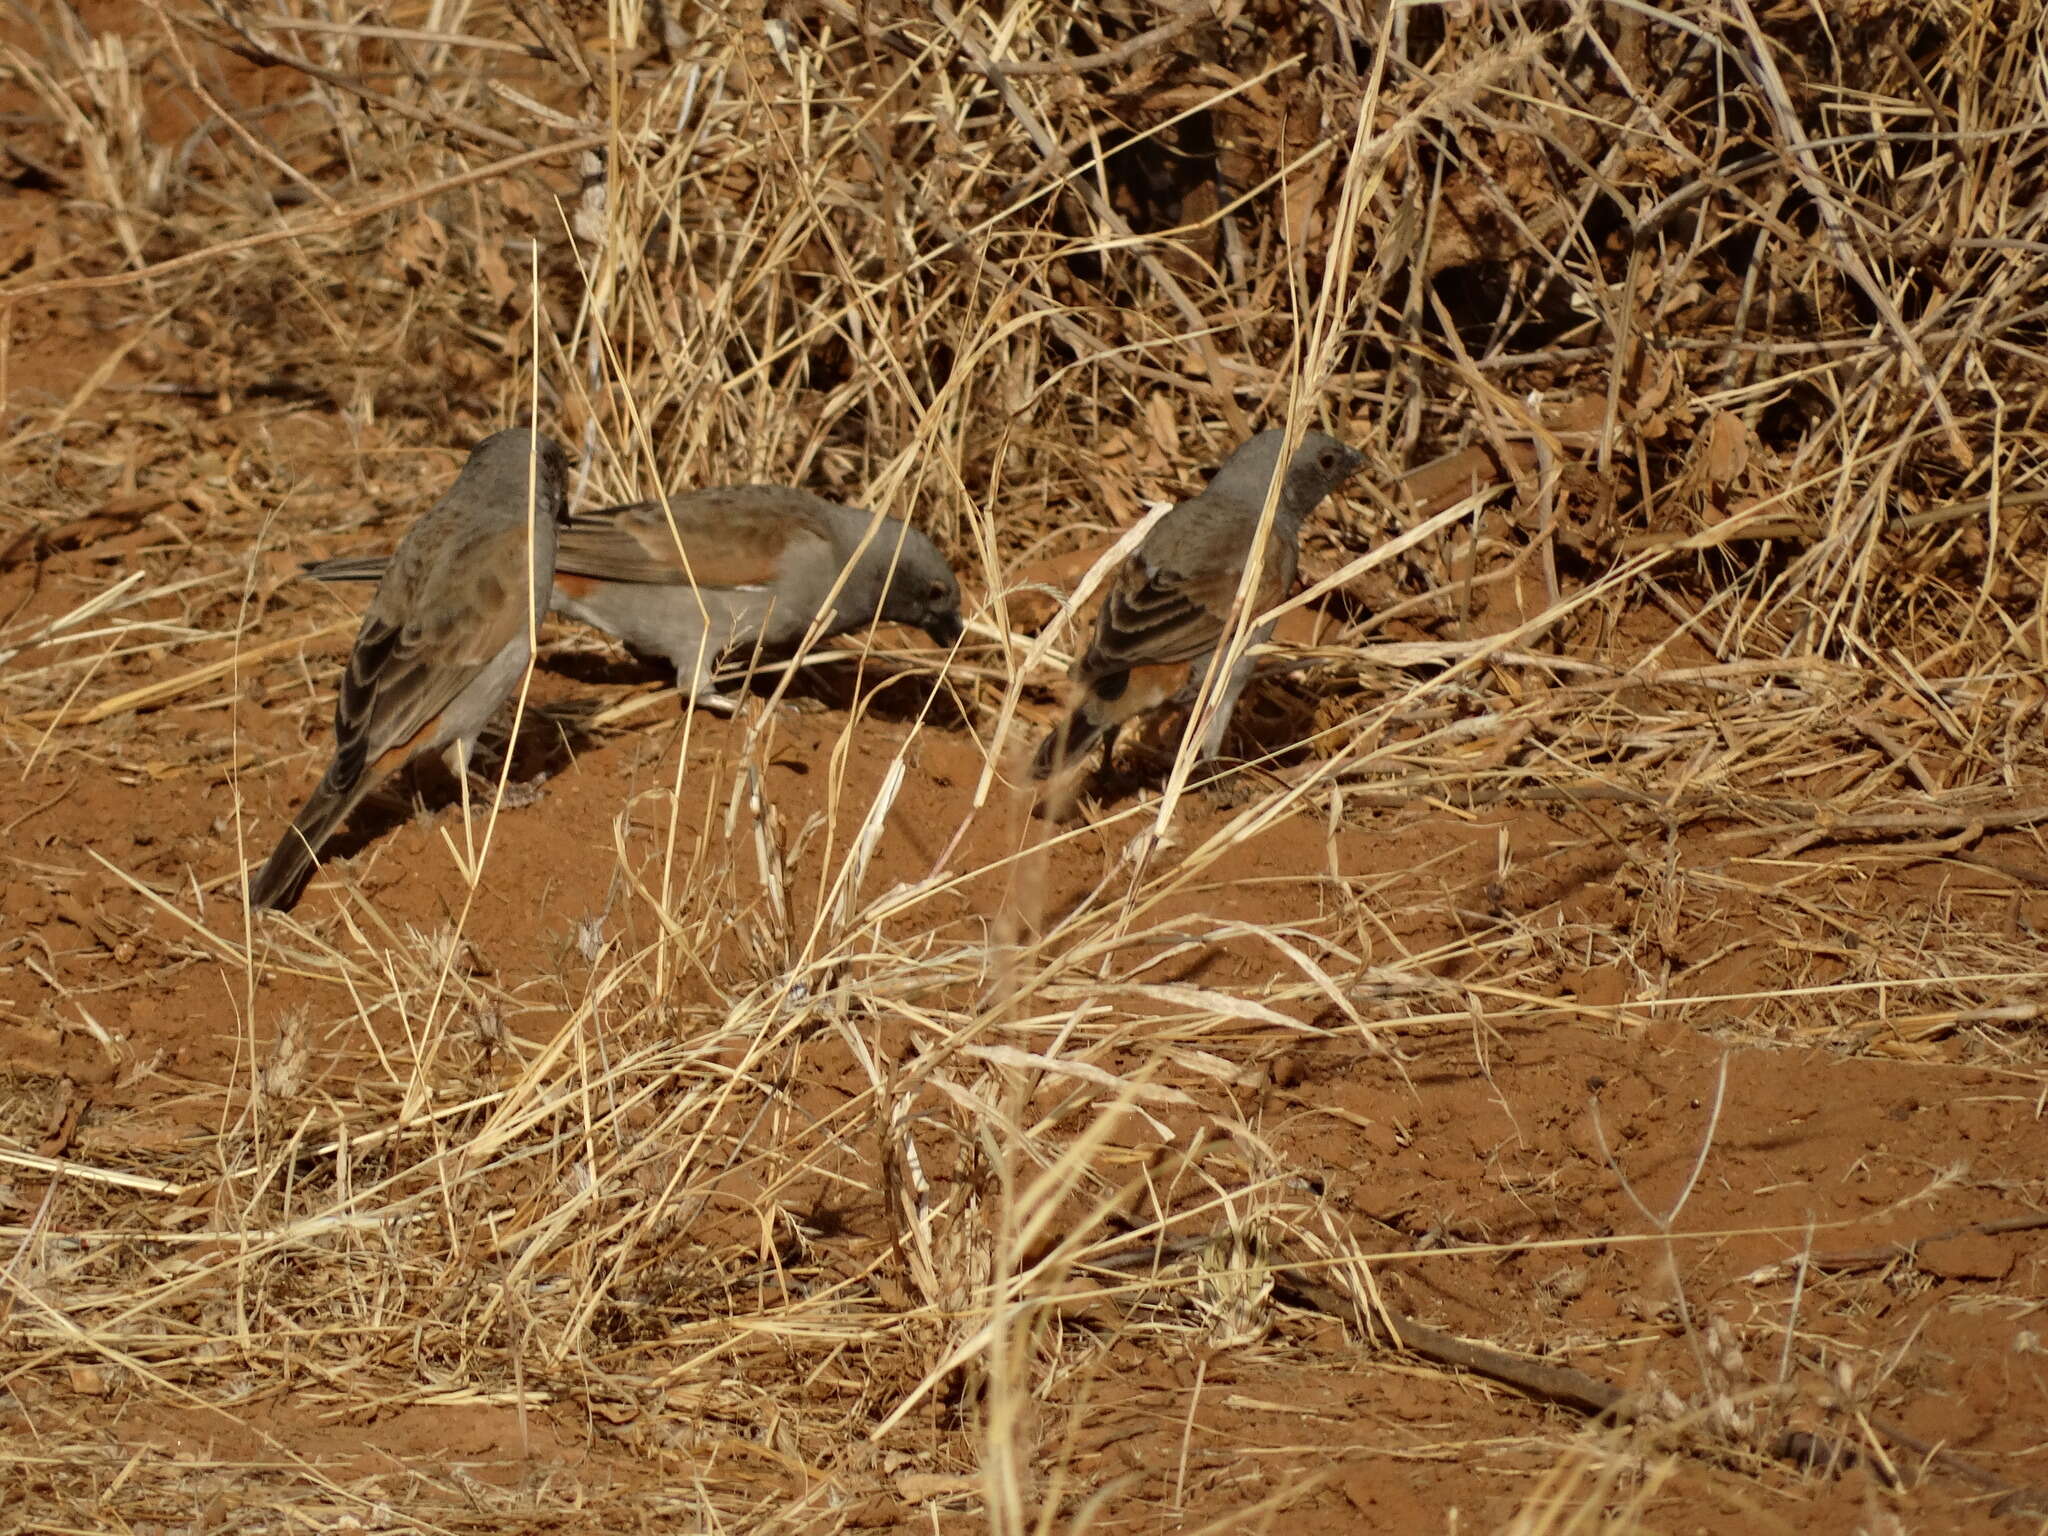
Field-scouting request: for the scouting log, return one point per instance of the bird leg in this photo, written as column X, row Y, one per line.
column 1228, row 693
column 519, row 793
column 696, row 678
column 713, row 702
column 478, row 785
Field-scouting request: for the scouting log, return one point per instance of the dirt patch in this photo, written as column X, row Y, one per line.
column 1617, row 945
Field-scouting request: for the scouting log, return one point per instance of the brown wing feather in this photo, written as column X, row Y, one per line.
column 407, row 668
column 1170, row 601
column 1150, row 616
column 734, row 536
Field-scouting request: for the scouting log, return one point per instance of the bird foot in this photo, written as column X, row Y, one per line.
column 519, row 793
column 712, row 702
column 727, row 705
column 1229, row 794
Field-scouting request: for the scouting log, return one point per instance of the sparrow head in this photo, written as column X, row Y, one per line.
column 501, row 461
column 921, row 589
column 1320, row 464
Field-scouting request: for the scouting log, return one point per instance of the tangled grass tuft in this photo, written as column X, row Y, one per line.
column 1696, row 351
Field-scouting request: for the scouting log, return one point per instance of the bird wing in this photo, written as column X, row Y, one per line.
column 1169, row 602
column 347, row 568
column 431, row 628
column 736, row 536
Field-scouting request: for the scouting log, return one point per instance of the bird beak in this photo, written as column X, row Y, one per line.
column 944, row 628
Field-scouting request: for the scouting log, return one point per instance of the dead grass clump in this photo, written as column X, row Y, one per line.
column 803, row 1147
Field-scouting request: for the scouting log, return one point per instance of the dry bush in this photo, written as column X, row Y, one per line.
column 1734, row 316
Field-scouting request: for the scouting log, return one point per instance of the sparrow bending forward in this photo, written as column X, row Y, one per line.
column 742, row 566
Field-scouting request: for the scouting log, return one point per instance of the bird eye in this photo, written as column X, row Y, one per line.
column 938, row 592
column 1328, row 460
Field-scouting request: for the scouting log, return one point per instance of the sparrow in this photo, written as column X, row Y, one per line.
column 445, row 640
column 1169, row 603
column 732, row 569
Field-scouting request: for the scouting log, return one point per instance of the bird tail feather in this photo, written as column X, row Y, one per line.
column 1070, row 740
column 284, row 874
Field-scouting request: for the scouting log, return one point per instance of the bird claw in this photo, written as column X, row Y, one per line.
column 1229, row 793
column 727, row 705
column 519, row 793
column 712, row 702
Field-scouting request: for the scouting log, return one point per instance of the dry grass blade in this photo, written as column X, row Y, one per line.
column 1625, row 895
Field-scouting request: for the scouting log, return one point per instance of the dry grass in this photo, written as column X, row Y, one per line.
column 1739, row 314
